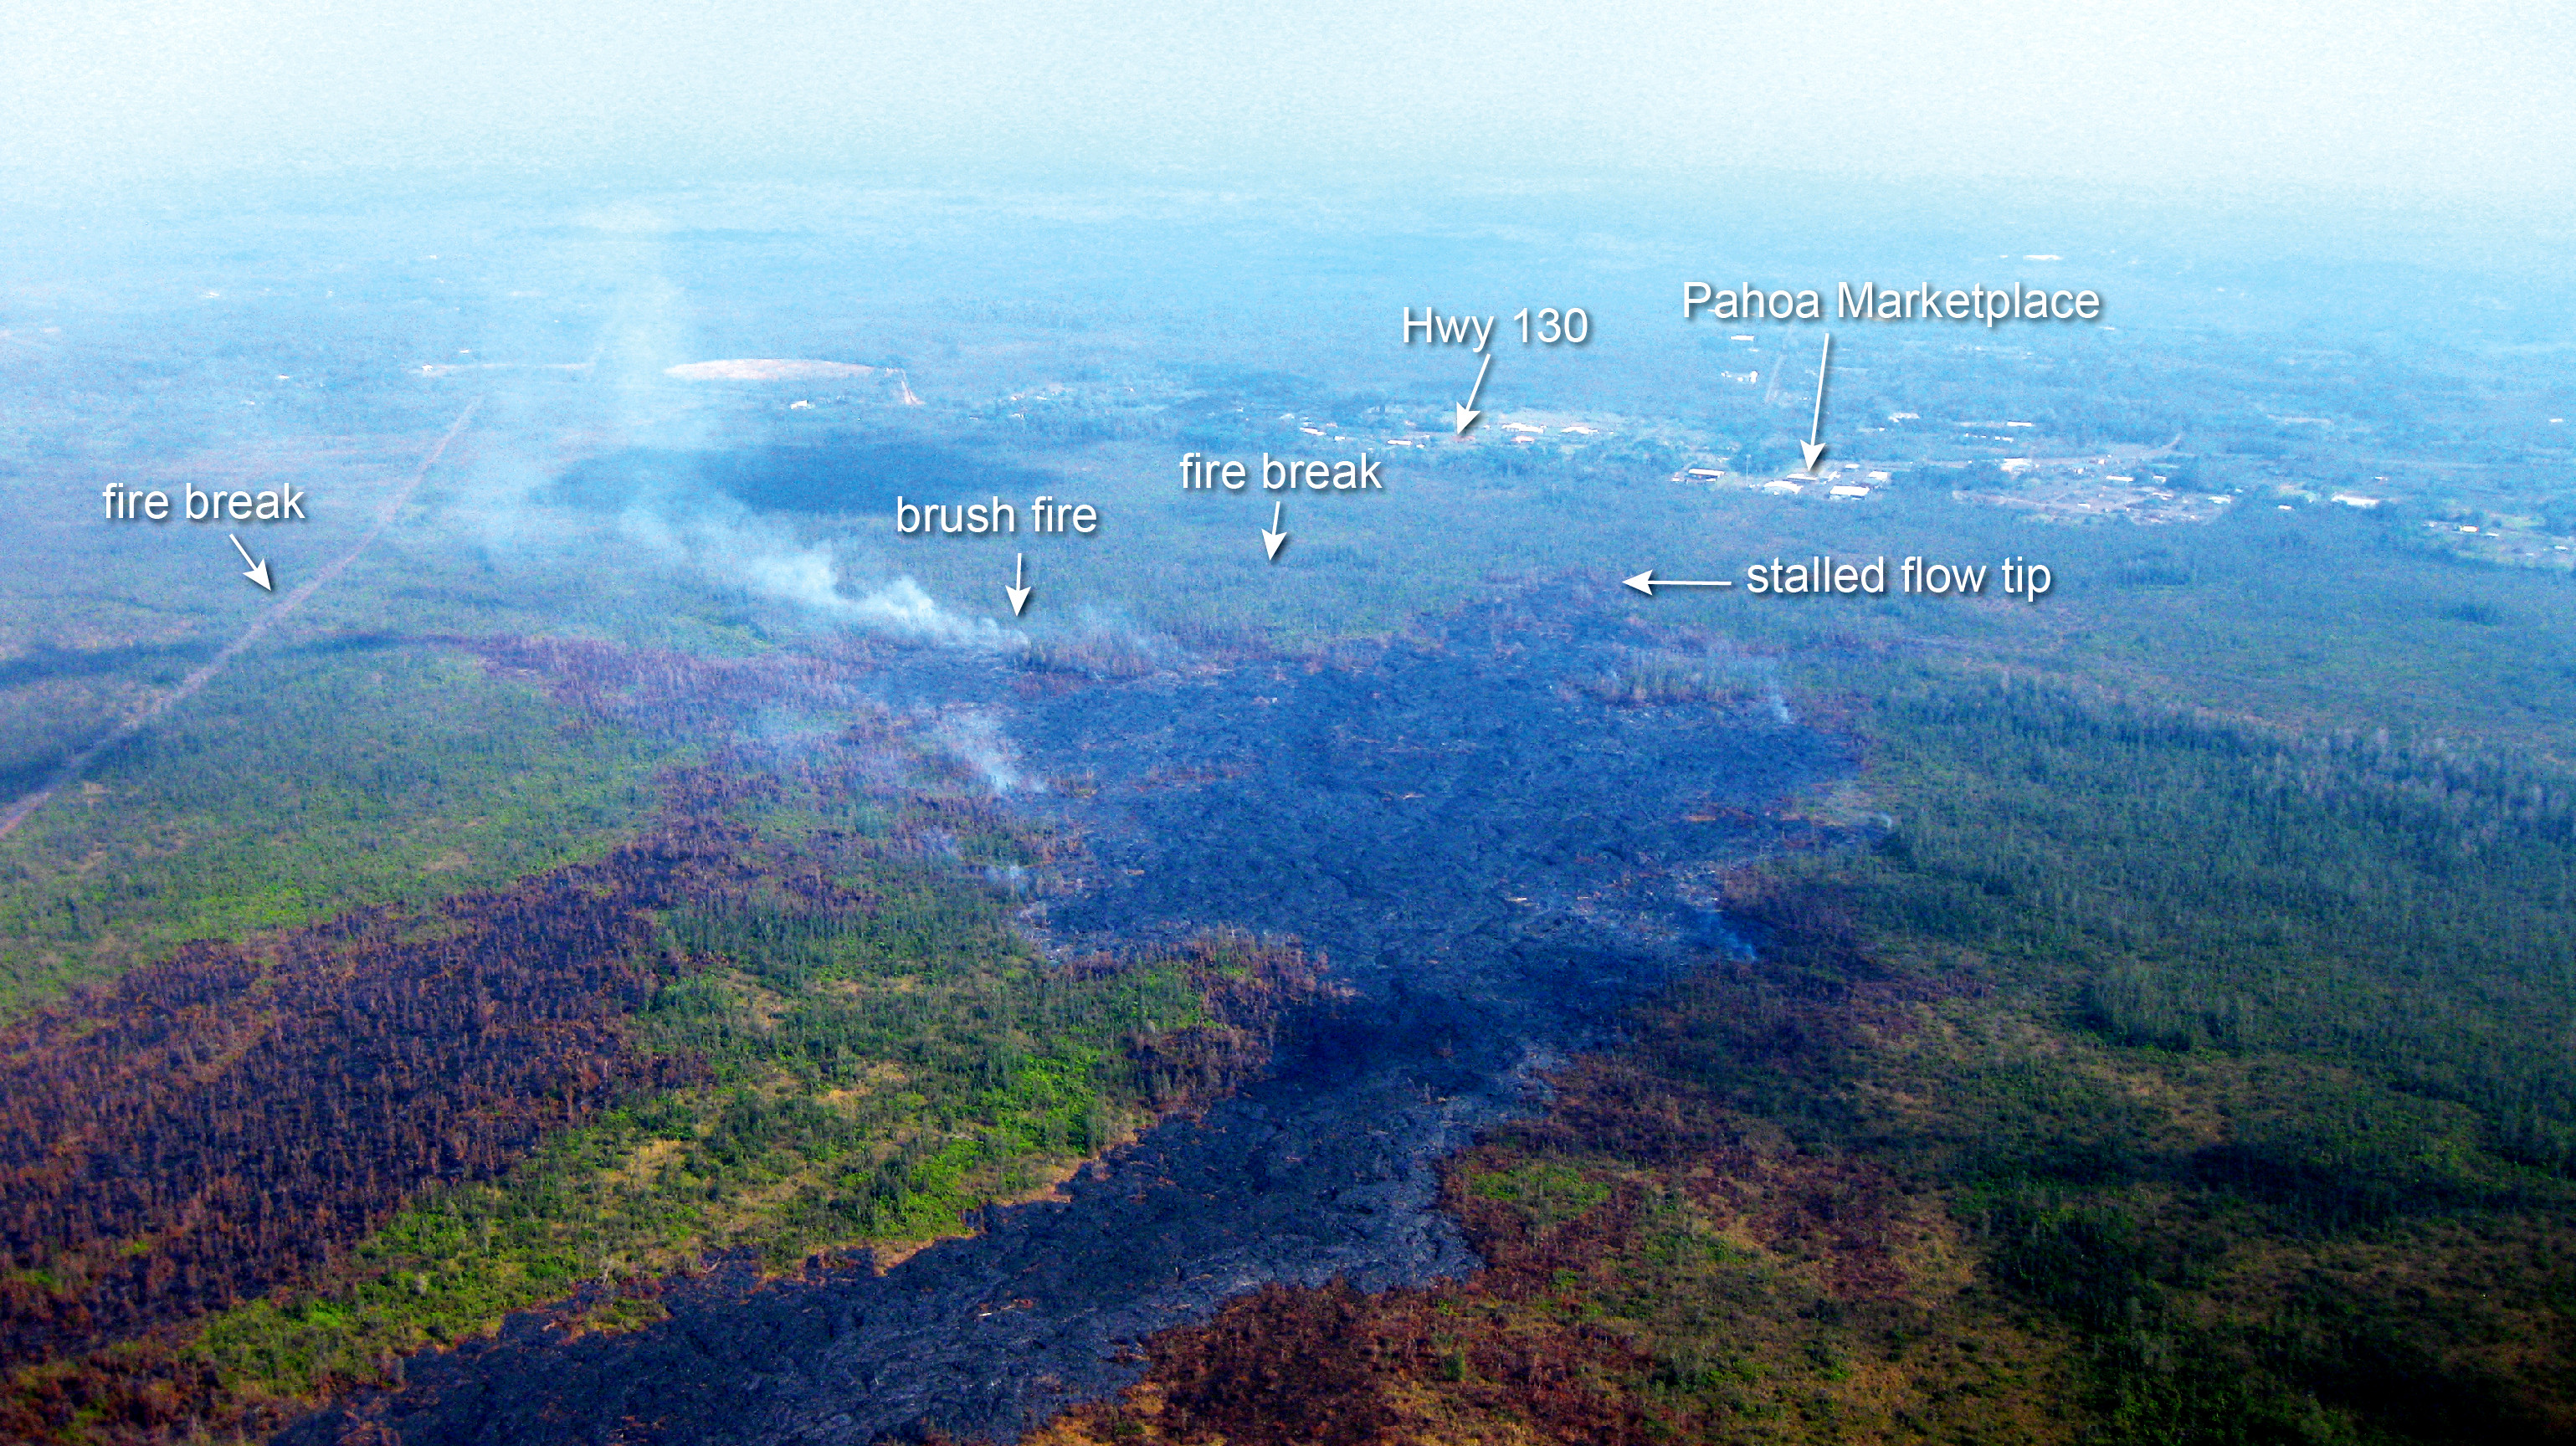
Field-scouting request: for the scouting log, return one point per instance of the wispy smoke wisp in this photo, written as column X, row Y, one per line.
column 977, row 738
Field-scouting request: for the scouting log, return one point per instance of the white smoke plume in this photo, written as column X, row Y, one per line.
column 977, row 737
column 810, row 577
column 766, row 560
column 620, row 397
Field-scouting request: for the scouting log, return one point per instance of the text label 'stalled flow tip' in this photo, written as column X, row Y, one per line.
column 1912, row 576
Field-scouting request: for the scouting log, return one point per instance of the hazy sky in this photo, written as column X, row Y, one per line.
column 2451, row 100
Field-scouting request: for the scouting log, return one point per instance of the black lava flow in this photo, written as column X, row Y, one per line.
column 1484, row 853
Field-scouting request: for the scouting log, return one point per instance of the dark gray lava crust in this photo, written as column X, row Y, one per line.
column 1484, row 852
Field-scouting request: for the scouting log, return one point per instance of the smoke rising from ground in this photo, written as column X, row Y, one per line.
column 621, row 398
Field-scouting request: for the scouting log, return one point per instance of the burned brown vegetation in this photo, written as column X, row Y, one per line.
column 232, row 1121
column 234, row 1117
column 1489, row 857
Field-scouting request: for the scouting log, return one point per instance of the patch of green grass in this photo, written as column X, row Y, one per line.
column 877, row 1073
column 290, row 792
column 1550, row 1194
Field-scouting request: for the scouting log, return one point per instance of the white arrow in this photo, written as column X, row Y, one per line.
column 1646, row 582
column 258, row 570
column 1811, row 446
column 1467, row 413
column 1271, row 537
column 1019, row 594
